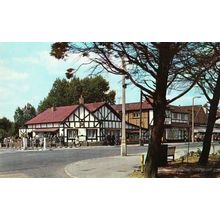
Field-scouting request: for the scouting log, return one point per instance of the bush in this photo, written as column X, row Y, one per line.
column 191, row 153
column 199, row 152
column 3, row 134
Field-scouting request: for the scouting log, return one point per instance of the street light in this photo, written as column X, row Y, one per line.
column 196, row 97
column 123, row 129
column 140, row 128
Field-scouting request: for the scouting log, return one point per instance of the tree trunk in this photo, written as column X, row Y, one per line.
column 152, row 160
column 203, row 160
column 159, row 107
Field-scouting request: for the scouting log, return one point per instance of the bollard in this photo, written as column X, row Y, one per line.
column 142, row 163
column 45, row 144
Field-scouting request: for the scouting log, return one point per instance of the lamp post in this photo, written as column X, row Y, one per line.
column 123, row 127
column 196, row 97
column 140, row 128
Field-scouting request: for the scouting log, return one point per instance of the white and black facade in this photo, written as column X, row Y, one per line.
column 85, row 122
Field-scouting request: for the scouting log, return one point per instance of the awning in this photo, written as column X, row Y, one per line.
column 46, row 130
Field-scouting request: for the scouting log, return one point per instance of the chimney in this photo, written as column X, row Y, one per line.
column 53, row 108
column 81, row 100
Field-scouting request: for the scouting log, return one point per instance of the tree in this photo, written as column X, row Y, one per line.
column 210, row 84
column 155, row 68
column 6, row 127
column 22, row 115
column 5, row 124
column 94, row 89
column 63, row 92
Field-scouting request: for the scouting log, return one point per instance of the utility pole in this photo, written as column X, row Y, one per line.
column 140, row 128
column 123, row 126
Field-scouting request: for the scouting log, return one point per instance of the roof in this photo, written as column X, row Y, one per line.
column 179, row 109
column 200, row 116
column 50, row 116
column 94, row 106
column 61, row 113
column 46, row 130
column 133, row 106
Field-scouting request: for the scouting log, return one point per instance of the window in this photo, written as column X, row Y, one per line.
column 176, row 134
column 73, row 133
column 168, row 114
column 136, row 114
column 82, row 124
column 184, row 117
column 175, row 115
column 91, row 134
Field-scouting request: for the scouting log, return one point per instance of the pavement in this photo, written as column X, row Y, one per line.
column 118, row 166
column 107, row 167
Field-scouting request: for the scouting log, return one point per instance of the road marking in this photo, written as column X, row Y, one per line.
column 13, row 175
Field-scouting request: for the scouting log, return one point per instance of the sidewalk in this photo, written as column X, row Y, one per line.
column 107, row 167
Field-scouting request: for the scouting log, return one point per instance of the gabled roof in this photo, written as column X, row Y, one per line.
column 59, row 114
column 94, row 106
column 133, row 106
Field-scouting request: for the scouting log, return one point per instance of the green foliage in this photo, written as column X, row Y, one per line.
column 64, row 92
column 198, row 152
column 3, row 134
column 5, row 124
column 6, row 128
column 22, row 115
column 59, row 49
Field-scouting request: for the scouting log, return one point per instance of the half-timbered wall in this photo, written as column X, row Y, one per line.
column 110, row 122
column 44, row 125
column 108, row 118
column 81, row 119
column 86, row 125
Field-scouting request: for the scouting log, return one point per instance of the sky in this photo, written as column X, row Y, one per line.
column 27, row 72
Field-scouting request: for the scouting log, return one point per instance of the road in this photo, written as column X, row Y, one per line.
column 51, row 163
column 48, row 164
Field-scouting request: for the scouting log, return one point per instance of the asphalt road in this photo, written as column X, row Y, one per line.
column 50, row 164
column 39, row 164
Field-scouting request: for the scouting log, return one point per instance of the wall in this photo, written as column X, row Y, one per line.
column 136, row 120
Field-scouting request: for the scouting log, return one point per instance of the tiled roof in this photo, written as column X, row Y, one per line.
column 61, row 113
column 94, row 106
column 51, row 116
column 133, row 106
